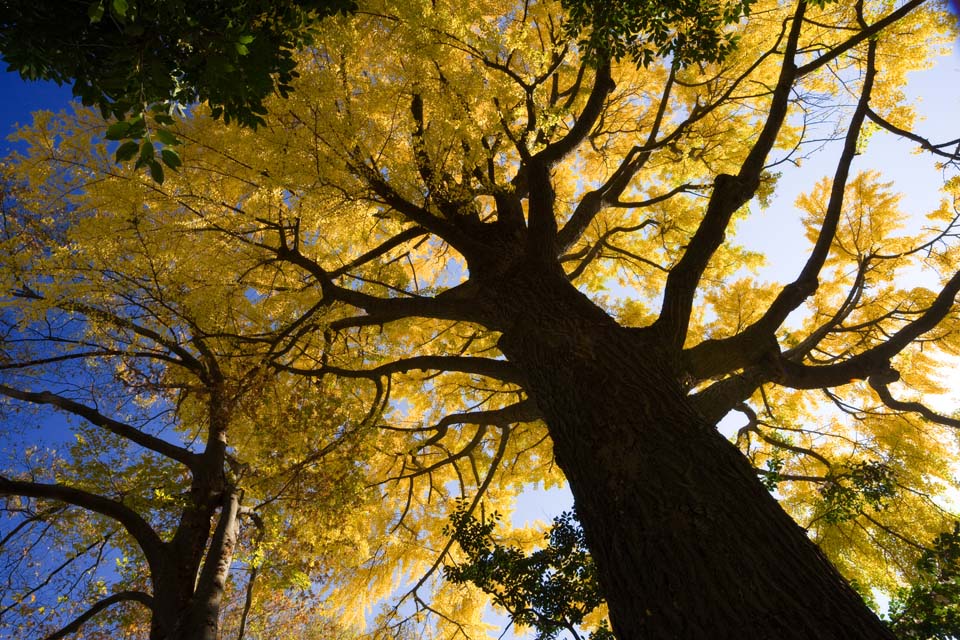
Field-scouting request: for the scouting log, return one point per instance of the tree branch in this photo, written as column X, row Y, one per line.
column 81, row 355
column 862, row 35
column 451, row 304
column 122, row 596
column 591, row 204
column 793, row 295
column 254, row 571
column 849, row 304
column 557, row 151
column 715, row 401
column 541, row 241
column 729, row 194
column 874, row 360
column 404, row 236
column 712, row 357
column 385, row 310
column 524, row 411
column 187, row 359
column 488, row 367
column 444, row 229
column 147, row 539
column 211, row 583
column 71, row 557
column 172, row 451
column 879, row 381
column 925, row 144
column 591, row 253
column 481, row 491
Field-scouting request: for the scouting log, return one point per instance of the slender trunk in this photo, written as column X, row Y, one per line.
column 203, row 621
column 188, row 588
column 188, row 598
column 687, row 541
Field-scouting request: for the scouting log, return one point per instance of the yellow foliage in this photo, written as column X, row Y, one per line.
column 352, row 463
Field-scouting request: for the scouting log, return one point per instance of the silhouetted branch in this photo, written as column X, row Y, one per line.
column 94, row 417
column 879, row 381
column 148, row 540
column 122, row 596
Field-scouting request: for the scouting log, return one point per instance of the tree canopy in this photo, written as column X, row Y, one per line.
column 185, row 459
column 491, row 250
column 144, row 61
column 123, row 55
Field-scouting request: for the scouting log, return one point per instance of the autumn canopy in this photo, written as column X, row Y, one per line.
column 481, row 246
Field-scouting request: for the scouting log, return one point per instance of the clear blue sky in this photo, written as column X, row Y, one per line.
column 936, row 96
column 18, row 99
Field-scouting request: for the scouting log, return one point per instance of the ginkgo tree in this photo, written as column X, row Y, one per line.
column 198, row 487
column 228, row 487
column 546, row 228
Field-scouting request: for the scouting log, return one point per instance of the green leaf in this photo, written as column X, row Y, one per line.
column 118, row 130
column 95, row 12
column 171, row 158
column 156, row 171
column 120, row 8
column 166, row 137
column 137, row 131
column 241, row 49
column 245, row 39
column 138, row 127
column 126, row 151
column 147, row 151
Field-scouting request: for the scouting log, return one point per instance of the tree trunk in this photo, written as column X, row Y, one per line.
column 188, row 588
column 203, row 620
column 687, row 541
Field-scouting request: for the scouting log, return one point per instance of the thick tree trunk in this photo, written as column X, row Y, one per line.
column 203, row 621
column 188, row 588
column 687, row 541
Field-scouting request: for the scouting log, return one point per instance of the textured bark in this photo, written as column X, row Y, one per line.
column 203, row 621
column 689, row 544
column 175, row 583
column 189, row 588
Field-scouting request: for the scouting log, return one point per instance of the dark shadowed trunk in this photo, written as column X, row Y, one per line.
column 688, row 542
column 204, row 617
column 189, row 587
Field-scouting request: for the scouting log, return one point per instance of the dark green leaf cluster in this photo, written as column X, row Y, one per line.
column 550, row 590
column 139, row 143
column 140, row 58
column 774, row 465
column 123, row 54
column 930, row 609
column 864, row 483
column 688, row 31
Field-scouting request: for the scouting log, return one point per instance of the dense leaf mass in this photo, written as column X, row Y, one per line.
column 124, row 54
column 552, row 589
column 930, row 609
column 686, row 31
column 470, row 253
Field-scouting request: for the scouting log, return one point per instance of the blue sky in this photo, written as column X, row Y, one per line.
column 21, row 98
column 936, row 95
